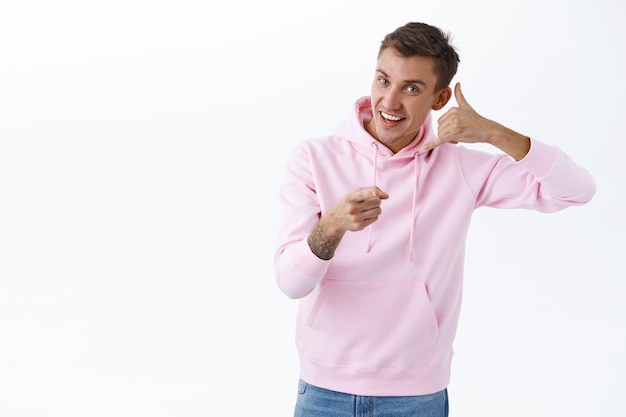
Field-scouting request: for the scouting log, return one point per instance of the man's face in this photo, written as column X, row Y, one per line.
column 403, row 93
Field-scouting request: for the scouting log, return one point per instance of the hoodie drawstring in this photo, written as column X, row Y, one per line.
column 413, row 207
column 369, row 234
column 418, row 181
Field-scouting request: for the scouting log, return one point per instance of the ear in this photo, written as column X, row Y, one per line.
column 442, row 98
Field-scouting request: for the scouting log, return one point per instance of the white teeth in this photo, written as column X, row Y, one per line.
column 390, row 117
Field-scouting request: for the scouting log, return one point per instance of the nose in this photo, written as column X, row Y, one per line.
column 391, row 99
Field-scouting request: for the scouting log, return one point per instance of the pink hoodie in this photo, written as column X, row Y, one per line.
column 380, row 317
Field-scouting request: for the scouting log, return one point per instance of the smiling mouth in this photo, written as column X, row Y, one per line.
column 391, row 118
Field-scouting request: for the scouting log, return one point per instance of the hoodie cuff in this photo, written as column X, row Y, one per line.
column 540, row 160
column 307, row 262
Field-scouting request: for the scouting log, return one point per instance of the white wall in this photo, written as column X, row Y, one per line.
column 141, row 149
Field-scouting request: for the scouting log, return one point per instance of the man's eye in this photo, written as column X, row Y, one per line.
column 383, row 81
column 412, row 89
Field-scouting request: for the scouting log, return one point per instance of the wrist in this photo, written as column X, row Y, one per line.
column 323, row 242
column 512, row 143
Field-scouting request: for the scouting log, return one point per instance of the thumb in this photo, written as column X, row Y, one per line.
column 460, row 98
column 381, row 194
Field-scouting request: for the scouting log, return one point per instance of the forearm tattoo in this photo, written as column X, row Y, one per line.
column 322, row 245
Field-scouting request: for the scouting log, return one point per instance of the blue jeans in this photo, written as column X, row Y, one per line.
column 318, row 402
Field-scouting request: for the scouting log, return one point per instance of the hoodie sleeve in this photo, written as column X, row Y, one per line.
column 546, row 180
column 297, row 269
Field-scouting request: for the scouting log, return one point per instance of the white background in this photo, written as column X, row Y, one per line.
column 141, row 149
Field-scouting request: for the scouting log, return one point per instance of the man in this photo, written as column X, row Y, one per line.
column 374, row 226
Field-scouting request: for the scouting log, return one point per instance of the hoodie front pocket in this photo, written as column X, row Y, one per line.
column 372, row 325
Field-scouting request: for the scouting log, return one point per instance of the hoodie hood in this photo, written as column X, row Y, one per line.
column 353, row 130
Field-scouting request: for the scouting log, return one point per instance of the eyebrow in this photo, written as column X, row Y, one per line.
column 416, row 81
